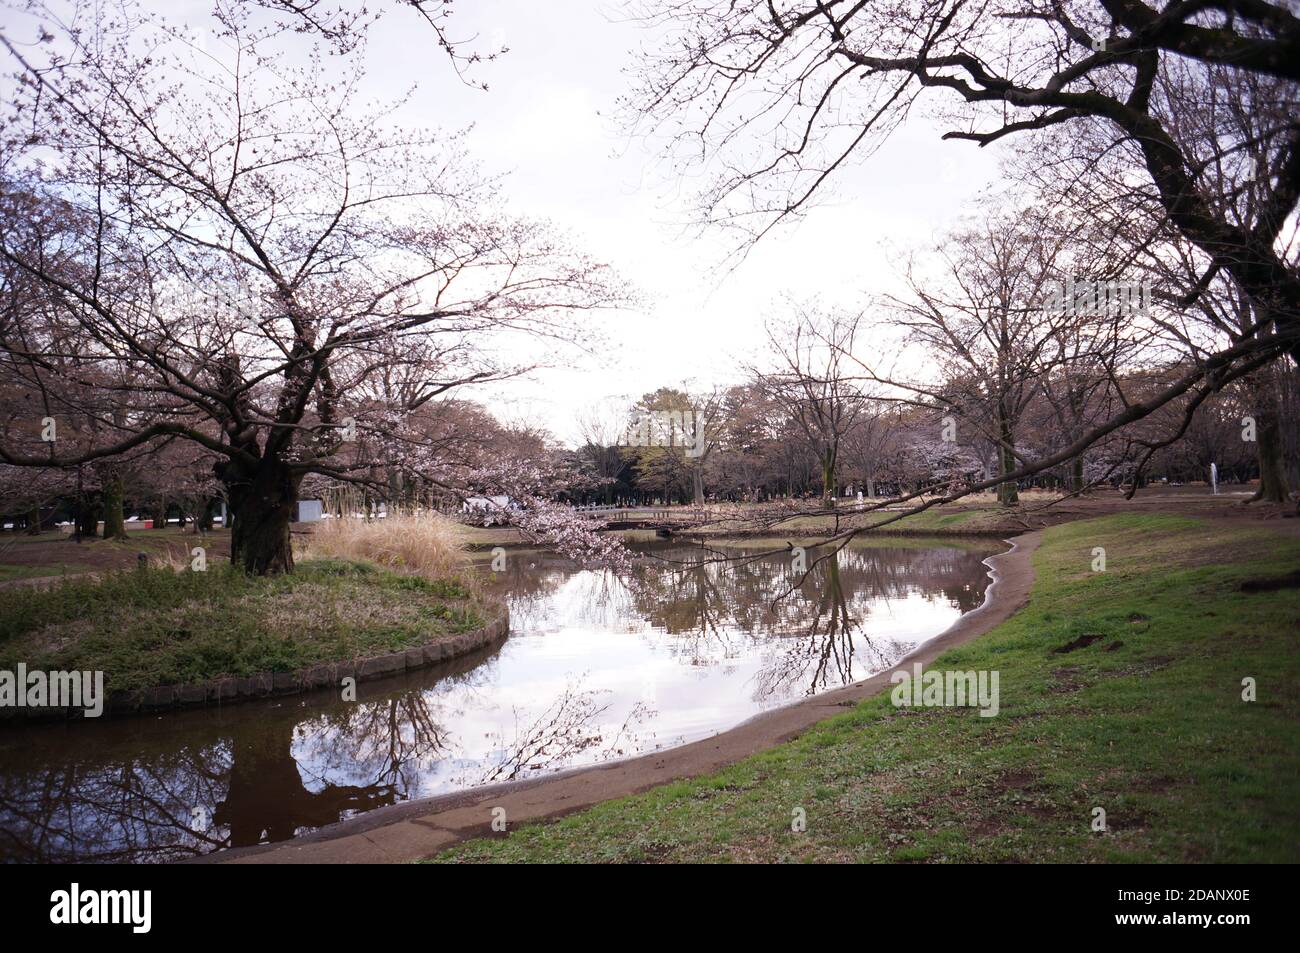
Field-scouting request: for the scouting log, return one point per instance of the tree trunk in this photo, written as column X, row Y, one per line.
column 160, row 515
column 828, row 479
column 1076, row 474
column 697, row 483
column 206, row 518
column 34, row 521
column 86, row 518
column 1269, row 450
column 263, row 509
column 114, row 520
column 1007, row 492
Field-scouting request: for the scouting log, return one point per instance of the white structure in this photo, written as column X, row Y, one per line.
column 484, row 504
column 307, row 511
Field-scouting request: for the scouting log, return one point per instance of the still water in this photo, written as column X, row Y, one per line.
column 596, row 667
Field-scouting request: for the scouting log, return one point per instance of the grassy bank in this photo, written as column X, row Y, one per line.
column 159, row 627
column 989, row 519
column 10, row 572
column 754, row 544
column 1146, row 721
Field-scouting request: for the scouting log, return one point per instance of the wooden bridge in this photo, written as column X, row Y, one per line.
column 645, row 517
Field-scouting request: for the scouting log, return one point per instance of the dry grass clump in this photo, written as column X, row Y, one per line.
column 424, row 542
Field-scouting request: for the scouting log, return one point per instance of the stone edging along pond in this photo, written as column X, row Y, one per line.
column 231, row 689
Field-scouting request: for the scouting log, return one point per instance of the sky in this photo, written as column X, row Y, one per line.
column 546, row 123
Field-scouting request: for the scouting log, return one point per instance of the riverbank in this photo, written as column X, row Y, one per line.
column 1120, row 690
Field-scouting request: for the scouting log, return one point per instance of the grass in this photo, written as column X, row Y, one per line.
column 9, row 572
column 768, row 543
column 1146, row 722
column 149, row 627
column 973, row 517
column 939, row 518
column 487, row 536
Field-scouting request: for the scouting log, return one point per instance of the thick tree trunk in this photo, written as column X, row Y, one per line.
column 263, row 508
column 34, row 521
column 86, row 518
column 1076, row 474
column 1270, row 453
column 1007, row 492
column 697, row 484
column 1268, row 448
column 114, row 520
column 206, row 518
column 828, row 479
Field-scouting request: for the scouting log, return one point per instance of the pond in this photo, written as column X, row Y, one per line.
column 597, row 667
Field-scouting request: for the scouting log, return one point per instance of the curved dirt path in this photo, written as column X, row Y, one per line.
column 417, row 829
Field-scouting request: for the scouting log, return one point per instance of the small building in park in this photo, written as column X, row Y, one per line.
column 307, row 511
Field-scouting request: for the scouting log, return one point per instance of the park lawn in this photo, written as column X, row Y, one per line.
column 485, row 536
column 984, row 519
column 151, row 627
column 814, row 544
column 1146, row 722
column 11, row 571
column 989, row 519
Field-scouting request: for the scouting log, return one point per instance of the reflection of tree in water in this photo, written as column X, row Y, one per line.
column 702, row 603
column 823, row 654
column 383, row 742
column 266, row 798
column 816, row 631
column 531, row 582
column 568, row 727
column 263, row 779
column 246, row 789
column 84, row 810
column 269, row 777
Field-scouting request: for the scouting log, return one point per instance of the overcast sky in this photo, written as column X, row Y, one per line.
column 546, row 121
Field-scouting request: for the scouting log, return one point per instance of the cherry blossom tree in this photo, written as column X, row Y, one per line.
column 248, row 251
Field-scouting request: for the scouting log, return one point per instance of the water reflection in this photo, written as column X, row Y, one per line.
column 597, row 667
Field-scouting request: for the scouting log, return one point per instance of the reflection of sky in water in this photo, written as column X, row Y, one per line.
column 595, row 668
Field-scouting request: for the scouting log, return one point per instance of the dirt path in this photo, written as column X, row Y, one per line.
column 418, row 829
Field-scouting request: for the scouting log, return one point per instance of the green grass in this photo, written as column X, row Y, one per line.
column 10, row 572
column 945, row 518
column 977, row 518
column 1147, row 722
column 158, row 627
column 769, row 543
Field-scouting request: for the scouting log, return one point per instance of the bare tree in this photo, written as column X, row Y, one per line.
column 812, row 377
column 997, row 325
column 601, row 429
column 252, row 249
column 780, row 98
